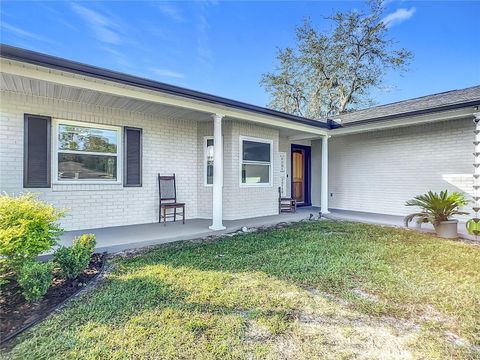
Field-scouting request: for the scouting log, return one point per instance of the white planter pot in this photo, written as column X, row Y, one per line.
column 447, row 229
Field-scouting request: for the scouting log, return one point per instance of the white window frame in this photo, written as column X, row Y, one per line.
column 205, row 156
column 205, row 139
column 241, row 162
column 119, row 154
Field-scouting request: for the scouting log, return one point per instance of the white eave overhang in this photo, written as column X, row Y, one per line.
column 28, row 66
column 384, row 124
column 36, row 72
column 407, row 120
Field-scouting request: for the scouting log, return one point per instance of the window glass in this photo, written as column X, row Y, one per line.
column 255, row 174
column 256, row 151
column 87, row 153
column 209, row 161
column 256, row 162
column 85, row 166
column 79, row 138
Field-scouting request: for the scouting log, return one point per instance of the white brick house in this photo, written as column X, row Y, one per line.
column 369, row 161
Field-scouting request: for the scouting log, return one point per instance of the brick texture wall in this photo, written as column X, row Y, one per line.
column 204, row 193
column 373, row 172
column 243, row 202
column 238, row 202
column 378, row 171
column 168, row 147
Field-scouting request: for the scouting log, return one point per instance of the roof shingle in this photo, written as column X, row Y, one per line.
column 440, row 101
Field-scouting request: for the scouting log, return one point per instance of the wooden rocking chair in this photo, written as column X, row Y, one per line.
column 286, row 204
column 168, row 199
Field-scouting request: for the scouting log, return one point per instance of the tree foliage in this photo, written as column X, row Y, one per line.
column 328, row 73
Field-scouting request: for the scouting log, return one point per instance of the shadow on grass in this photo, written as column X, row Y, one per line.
column 189, row 299
column 181, row 312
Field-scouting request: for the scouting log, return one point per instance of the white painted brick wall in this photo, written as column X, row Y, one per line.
column 204, row 193
column 378, row 171
column 373, row 172
column 245, row 202
column 238, row 202
column 168, row 147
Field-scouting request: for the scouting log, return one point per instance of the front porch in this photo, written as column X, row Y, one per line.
column 119, row 238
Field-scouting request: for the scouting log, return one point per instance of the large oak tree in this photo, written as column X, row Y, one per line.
column 328, row 73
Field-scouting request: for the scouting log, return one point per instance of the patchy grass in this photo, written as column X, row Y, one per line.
column 311, row 290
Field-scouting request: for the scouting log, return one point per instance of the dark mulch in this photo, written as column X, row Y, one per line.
column 17, row 313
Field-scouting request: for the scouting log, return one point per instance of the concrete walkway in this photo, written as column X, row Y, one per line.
column 389, row 220
column 119, row 238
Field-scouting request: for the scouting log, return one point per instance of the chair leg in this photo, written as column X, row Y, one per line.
column 183, row 215
column 174, row 214
column 164, row 216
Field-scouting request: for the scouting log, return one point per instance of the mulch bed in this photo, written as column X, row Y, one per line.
column 16, row 313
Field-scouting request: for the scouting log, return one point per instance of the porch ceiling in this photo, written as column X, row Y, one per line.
column 30, row 86
column 47, row 89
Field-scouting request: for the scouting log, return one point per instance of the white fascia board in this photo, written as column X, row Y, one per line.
column 407, row 121
column 80, row 81
column 301, row 137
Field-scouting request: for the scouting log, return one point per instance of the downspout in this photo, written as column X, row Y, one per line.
column 473, row 225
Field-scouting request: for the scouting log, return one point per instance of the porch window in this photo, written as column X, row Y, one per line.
column 208, row 149
column 256, row 162
column 86, row 153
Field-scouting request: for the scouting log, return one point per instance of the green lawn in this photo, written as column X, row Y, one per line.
column 311, row 290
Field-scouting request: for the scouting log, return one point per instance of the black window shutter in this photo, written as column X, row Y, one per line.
column 36, row 153
column 133, row 157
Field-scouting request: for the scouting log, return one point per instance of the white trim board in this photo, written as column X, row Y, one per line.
column 54, row 158
column 240, row 158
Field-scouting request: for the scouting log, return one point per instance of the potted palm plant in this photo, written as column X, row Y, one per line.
column 438, row 209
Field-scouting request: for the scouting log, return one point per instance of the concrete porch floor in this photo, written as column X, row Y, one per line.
column 390, row 220
column 119, row 238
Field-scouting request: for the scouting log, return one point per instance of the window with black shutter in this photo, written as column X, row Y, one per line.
column 133, row 157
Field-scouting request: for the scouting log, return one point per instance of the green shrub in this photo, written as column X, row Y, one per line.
column 35, row 279
column 74, row 259
column 86, row 241
column 27, row 228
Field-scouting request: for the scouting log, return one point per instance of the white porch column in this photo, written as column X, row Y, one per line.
column 217, row 198
column 324, row 179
